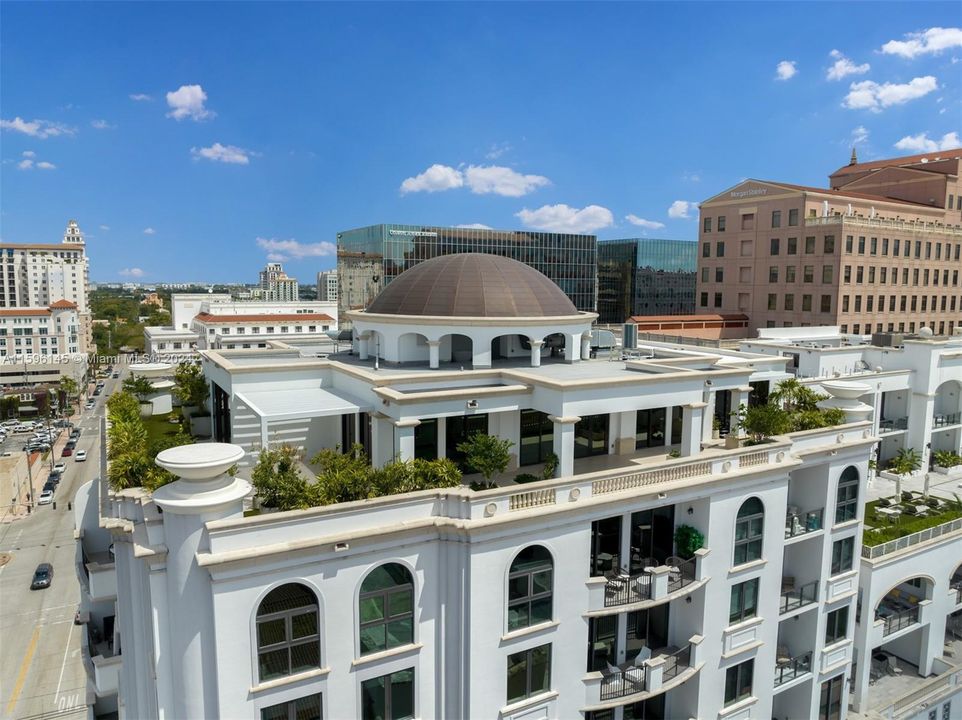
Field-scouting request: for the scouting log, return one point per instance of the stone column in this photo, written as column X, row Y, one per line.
column 709, row 415
column 382, row 440
column 564, row 443
column 625, row 440
column 434, row 353
column 691, row 428
column 362, row 343
column 572, row 347
column 536, row 352
column 405, row 438
column 586, row 346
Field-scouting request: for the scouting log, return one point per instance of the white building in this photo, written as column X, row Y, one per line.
column 41, row 345
column 562, row 598
column 327, row 286
column 275, row 285
column 37, row 275
column 202, row 321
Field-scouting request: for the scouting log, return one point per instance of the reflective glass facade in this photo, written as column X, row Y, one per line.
column 644, row 276
column 369, row 258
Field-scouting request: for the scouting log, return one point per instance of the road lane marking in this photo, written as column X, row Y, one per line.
column 64, row 663
column 24, row 668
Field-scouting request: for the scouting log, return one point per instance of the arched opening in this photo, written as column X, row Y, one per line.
column 899, row 607
column 947, row 418
column 510, row 347
column 846, row 497
column 554, row 345
column 413, row 348
column 288, row 636
column 386, row 609
column 749, row 531
column 530, row 586
column 457, row 348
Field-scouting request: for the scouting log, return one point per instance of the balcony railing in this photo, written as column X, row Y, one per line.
column 957, row 587
column 887, row 425
column 624, row 682
column 913, row 227
column 626, row 589
column 943, row 419
column 876, row 551
column 796, row 667
column 803, row 523
column 684, row 576
column 794, row 599
column 900, row 620
column 676, row 663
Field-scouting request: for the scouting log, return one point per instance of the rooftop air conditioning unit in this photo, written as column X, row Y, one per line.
column 888, row 339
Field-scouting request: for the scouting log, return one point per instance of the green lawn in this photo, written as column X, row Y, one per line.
column 885, row 529
column 158, row 427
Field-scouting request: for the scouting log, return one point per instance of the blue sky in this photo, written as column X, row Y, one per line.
column 192, row 141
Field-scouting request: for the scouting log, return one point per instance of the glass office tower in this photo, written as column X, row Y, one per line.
column 369, row 258
column 645, row 276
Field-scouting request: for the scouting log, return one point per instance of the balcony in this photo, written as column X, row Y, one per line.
column 894, row 619
column 941, row 420
column 653, row 585
column 102, row 665
column 789, row 668
column 794, row 599
column 956, row 589
column 650, row 677
column 891, row 425
column 803, row 523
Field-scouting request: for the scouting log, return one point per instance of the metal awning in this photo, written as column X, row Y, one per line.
column 300, row 403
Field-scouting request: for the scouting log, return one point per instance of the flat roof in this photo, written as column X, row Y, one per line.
column 297, row 403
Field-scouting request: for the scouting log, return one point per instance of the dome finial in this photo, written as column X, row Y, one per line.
column 854, row 158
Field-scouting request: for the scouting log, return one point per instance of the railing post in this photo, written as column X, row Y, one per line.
column 659, row 582
column 696, row 650
column 700, row 556
column 654, row 674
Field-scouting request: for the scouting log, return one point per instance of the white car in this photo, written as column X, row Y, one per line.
column 60, row 467
column 90, row 404
column 46, row 497
column 80, row 456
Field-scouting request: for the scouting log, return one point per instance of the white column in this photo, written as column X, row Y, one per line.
column 667, row 426
column 572, row 347
column 691, row 428
column 382, row 440
column 564, row 443
column 739, row 398
column 362, row 341
column 536, row 352
column 264, row 435
column 404, row 444
column 509, row 428
column 434, row 353
column 709, row 415
column 586, row 346
column 442, row 437
column 625, row 438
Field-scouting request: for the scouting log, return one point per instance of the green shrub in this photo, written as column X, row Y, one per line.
column 550, row 465
column 947, row 458
column 478, row 485
column 687, row 541
column 526, row 478
column 486, row 453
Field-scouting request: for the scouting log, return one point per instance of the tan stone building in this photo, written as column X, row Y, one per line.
column 880, row 250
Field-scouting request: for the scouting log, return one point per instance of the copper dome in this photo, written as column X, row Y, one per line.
column 472, row 285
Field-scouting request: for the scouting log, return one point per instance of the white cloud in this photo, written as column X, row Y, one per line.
column 223, row 153
column 501, row 181
column 497, row 150
column 140, row 97
column 844, row 67
column 44, row 165
column 280, row 250
column 149, row 231
column 691, row 176
column 105, row 227
column 928, row 42
column 29, row 163
column 29, row 153
column 921, row 143
column 680, row 209
column 475, row 226
column 641, row 222
column 859, row 135
column 26, row 164
column 188, row 102
column 563, row 218
column 101, row 125
column 42, row 129
column 436, row 178
column 134, row 272
column 786, row 70
column 870, row 95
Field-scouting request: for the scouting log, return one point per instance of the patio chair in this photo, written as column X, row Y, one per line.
column 782, row 655
column 644, row 653
column 788, row 584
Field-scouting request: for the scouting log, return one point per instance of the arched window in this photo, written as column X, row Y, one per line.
column 530, row 582
column 288, row 640
column 386, row 609
column 749, row 528
column 846, row 499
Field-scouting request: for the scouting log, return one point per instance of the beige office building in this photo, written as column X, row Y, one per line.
column 880, row 250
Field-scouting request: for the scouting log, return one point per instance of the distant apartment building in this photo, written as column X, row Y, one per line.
column 41, row 345
column 369, row 258
column 645, row 276
column 327, row 286
column 275, row 286
column 880, row 250
column 35, row 275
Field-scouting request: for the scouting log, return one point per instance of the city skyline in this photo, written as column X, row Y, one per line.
column 366, row 114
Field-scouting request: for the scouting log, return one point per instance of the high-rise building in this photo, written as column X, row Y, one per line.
column 645, row 276
column 880, row 250
column 41, row 345
column 369, row 258
column 327, row 286
column 275, row 286
column 37, row 275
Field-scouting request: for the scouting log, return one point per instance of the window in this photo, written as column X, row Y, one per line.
column 720, row 249
column 719, row 274
column 874, row 246
column 744, row 601
column 529, row 588
column 842, row 554
column 389, row 697
column 704, row 274
column 808, row 273
column 706, row 249
column 529, row 673
column 773, row 274
column 738, row 682
column 896, row 243
column 826, row 304
column 830, row 701
column 749, row 527
column 748, row 221
column 861, row 244
column 792, row 246
column 836, row 625
column 790, row 274
column 829, row 245
column 718, row 300
column 790, row 302
column 706, row 225
column 288, row 640
column 806, row 303
column 774, row 246
column 827, row 274
column 776, row 218
column 793, row 217
column 772, row 300
column 721, row 223
column 847, row 274
column 848, row 243
column 703, row 299
column 885, row 246
column 306, row 708
column 386, row 609
column 859, row 275
column 810, row 245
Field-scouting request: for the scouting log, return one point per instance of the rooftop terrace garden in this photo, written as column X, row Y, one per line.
column 892, row 518
column 791, row 407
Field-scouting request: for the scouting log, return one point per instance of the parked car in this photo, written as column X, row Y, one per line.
column 81, row 456
column 60, row 467
column 9, row 423
column 67, row 452
column 46, row 497
column 115, row 375
column 49, row 485
column 90, row 404
column 42, row 576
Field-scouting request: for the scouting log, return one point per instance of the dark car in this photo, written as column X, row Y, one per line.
column 50, row 485
column 75, row 433
column 42, row 576
column 115, row 375
column 67, row 452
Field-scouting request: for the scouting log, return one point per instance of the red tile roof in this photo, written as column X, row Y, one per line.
column 63, row 304
column 906, row 160
column 23, row 312
column 263, row 317
column 847, row 194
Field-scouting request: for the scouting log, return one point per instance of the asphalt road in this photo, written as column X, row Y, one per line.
column 41, row 671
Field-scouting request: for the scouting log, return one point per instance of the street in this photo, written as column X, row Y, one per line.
column 41, row 670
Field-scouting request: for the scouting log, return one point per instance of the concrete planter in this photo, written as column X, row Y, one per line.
column 952, row 472
column 188, row 410
column 146, row 409
column 200, row 425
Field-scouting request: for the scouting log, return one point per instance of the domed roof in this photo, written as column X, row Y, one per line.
column 472, row 285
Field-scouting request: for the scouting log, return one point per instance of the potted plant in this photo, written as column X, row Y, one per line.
column 947, row 463
column 904, row 464
column 142, row 388
column 715, row 428
column 486, row 453
column 687, row 541
column 550, row 465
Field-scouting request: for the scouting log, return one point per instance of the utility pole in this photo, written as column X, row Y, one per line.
column 30, row 483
